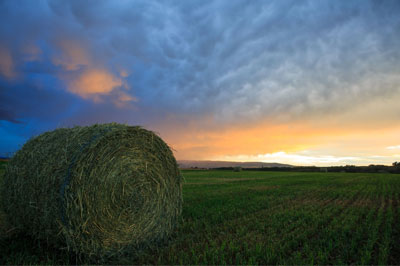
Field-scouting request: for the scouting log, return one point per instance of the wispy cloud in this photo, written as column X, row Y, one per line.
column 300, row 158
column 393, row 147
column 307, row 158
column 7, row 69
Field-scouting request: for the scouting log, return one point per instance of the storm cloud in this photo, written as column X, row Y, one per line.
column 229, row 61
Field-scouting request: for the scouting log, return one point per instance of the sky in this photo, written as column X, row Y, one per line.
column 301, row 82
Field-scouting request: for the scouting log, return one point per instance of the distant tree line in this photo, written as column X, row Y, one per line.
column 372, row 168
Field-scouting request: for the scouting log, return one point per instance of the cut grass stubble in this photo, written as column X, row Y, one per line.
column 282, row 218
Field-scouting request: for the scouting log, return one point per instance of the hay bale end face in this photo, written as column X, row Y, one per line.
column 95, row 190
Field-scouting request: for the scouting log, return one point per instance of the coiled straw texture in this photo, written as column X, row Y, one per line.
column 96, row 190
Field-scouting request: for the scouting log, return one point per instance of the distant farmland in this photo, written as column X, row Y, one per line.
column 252, row 217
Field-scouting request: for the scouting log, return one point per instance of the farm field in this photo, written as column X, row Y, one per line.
column 252, row 217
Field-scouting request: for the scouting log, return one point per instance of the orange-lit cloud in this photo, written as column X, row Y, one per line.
column 90, row 79
column 72, row 57
column 123, row 99
column 123, row 73
column 95, row 82
column 7, row 67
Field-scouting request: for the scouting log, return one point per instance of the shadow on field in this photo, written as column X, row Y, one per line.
column 20, row 248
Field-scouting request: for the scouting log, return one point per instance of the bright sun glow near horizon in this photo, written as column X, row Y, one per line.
column 293, row 82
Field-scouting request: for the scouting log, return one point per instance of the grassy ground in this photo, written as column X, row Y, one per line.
column 263, row 218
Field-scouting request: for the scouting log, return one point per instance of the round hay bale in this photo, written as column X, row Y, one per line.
column 95, row 190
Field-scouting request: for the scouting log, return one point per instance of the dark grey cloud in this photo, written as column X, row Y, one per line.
column 235, row 60
column 8, row 115
column 26, row 101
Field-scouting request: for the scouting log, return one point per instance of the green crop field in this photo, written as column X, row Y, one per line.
column 254, row 217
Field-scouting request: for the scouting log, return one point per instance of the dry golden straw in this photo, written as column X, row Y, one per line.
column 97, row 190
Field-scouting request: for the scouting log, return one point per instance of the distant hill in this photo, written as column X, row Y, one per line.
column 218, row 164
column 4, row 159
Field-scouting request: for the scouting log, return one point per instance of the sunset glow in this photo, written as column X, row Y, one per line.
column 296, row 82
